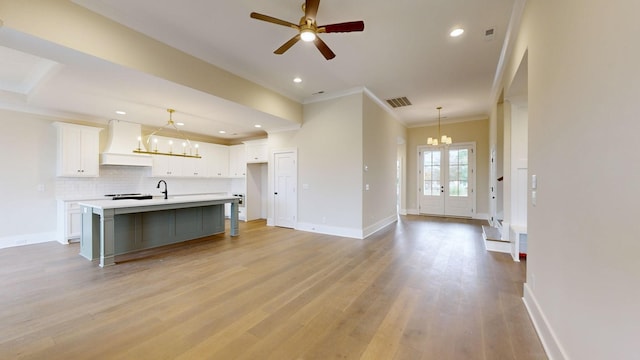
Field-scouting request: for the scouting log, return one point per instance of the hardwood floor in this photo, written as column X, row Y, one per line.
column 423, row 288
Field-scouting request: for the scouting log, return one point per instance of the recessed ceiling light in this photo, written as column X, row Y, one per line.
column 297, row 80
column 120, row 112
column 257, row 126
column 180, row 123
column 222, row 132
column 456, row 32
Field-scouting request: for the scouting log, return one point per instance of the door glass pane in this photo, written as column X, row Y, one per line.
column 459, row 172
column 431, row 173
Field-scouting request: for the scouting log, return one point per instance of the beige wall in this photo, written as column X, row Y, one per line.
column 381, row 134
column 329, row 147
column 583, row 244
column 338, row 137
column 469, row 131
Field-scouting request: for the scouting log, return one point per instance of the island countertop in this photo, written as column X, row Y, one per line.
column 156, row 201
column 112, row 227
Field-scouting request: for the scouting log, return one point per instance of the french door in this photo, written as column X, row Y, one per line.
column 446, row 180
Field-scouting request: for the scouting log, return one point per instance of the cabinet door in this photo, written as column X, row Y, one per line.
column 74, row 221
column 89, row 157
column 194, row 167
column 70, row 158
column 237, row 161
column 256, row 152
column 77, row 150
column 219, row 161
column 164, row 165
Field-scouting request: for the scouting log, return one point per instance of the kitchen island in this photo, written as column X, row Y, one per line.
column 116, row 227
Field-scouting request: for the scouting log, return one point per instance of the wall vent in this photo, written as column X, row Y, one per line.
column 399, row 102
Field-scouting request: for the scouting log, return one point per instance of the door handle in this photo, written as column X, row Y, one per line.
column 275, row 193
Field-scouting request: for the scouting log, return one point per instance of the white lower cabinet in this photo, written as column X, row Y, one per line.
column 69, row 221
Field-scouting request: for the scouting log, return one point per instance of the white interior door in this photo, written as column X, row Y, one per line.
column 285, row 194
column 446, row 178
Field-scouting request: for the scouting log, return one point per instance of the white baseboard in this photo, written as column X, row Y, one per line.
column 330, row 230
column 413, row 212
column 371, row 229
column 27, row 239
column 547, row 337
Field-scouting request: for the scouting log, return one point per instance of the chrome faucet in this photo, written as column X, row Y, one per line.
column 165, row 192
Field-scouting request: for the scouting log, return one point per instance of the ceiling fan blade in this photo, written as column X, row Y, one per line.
column 287, row 45
column 324, row 49
column 342, row 27
column 273, row 20
column 311, row 9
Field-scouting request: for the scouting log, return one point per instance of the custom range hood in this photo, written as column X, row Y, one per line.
column 124, row 137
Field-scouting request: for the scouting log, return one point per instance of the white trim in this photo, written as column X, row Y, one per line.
column 27, row 239
column 547, row 336
column 379, row 225
column 497, row 246
column 333, row 95
column 449, row 121
column 330, row 230
column 507, row 46
column 413, row 212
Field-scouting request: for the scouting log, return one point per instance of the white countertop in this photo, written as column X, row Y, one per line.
column 130, row 203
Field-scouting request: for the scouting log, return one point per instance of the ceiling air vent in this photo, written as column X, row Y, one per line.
column 489, row 34
column 399, row 102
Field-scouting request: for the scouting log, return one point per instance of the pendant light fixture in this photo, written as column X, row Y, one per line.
column 441, row 139
column 186, row 144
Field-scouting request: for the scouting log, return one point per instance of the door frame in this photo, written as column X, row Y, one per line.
column 472, row 176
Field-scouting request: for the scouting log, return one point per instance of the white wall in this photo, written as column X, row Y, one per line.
column 582, row 274
column 27, row 183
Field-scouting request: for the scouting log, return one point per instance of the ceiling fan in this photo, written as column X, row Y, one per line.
column 308, row 29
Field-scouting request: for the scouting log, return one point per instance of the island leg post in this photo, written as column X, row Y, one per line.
column 107, row 238
column 234, row 218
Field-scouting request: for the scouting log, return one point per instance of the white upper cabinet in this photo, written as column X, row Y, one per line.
column 257, row 151
column 237, row 160
column 78, row 150
column 219, row 160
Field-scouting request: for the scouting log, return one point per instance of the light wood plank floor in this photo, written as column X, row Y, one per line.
column 423, row 288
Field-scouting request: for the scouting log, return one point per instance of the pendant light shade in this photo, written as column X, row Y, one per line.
column 441, row 139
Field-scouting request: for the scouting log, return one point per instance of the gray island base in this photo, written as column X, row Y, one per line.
column 116, row 227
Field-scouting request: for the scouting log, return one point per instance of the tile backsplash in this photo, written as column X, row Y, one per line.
column 133, row 179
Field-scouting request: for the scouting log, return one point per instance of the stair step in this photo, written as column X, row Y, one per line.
column 492, row 233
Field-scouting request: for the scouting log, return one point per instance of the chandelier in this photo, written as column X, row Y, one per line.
column 444, row 139
column 186, row 144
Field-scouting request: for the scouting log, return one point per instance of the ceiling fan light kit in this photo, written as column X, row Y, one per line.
column 308, row 29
